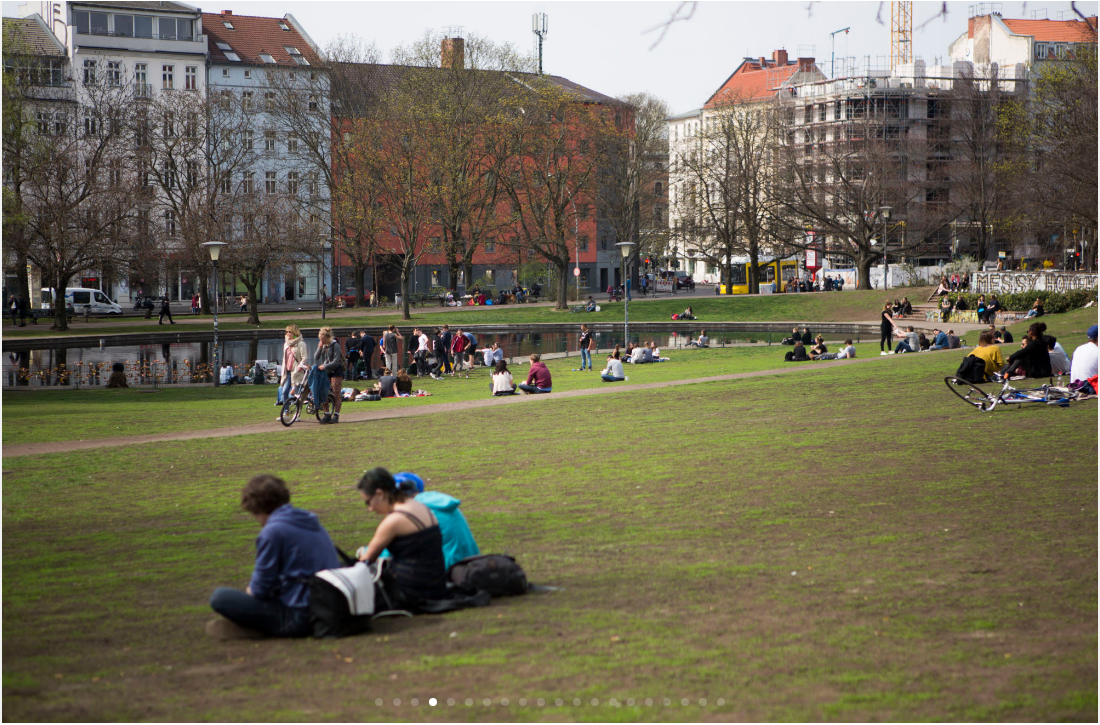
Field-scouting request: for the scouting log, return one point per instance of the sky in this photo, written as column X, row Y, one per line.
column 605, row 45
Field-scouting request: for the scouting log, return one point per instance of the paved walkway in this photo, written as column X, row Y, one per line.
column 387, row 412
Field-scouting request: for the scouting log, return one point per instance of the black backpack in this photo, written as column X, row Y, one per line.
column 972, row 370
column 497, row 574
column 329, row 611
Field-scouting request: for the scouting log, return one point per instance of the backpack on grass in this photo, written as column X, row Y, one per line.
column 972, row 370
column 497, row 574
column 342, row 602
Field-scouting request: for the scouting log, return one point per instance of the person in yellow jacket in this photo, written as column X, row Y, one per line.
column 990, row 353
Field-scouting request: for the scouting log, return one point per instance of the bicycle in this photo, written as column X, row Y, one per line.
column 300, row 396
column 1008, row 395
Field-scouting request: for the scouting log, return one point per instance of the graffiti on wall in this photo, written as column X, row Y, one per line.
column 1010, row 282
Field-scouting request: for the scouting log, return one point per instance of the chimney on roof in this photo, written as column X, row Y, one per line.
column 780, row 57
column 805, row 65
column 227, row 12
column 763, row 62
column 453, row 53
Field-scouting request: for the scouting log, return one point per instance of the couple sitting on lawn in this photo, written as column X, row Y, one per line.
column 423, row 531
column 538, row 379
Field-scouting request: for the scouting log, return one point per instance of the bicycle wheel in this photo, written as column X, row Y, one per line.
column 970, row 393
column 292, row 410
column 319, row 410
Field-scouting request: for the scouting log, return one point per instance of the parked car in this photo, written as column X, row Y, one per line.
column 683, row 280
column 83, row 299
column 347, row 299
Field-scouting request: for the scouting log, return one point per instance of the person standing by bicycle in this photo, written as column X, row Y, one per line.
column 294, row 363
column 330, row 364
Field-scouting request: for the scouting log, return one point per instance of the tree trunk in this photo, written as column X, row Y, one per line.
column 60, row 323
column 563, row 284
column 405, row 293
column 252, row 284
column 452, row 274
column 204, row 294
column 21, row 273
column 754, row 270
column 468, row 268
column 863, row 263
column 359, row 269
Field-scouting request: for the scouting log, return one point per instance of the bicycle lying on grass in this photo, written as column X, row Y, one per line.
column 301, row 396
column 1008, row 395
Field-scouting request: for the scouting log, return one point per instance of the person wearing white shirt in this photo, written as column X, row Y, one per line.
column 492, row 355
column 613, row 373
column 502, row 380
column 637, row 355
column 1083, row 365
column 1059, row 361
column 848, row 351
column 421, row 354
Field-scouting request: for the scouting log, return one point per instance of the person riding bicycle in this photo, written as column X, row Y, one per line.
column 329, row 374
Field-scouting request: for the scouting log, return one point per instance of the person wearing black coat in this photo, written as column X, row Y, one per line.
column 165, row 309
column 366, row 352
column 798, row 354
column 807, row 338
column 1033, row 359
column 447, row 340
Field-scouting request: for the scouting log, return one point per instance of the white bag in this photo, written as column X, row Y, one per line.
column 356, row 583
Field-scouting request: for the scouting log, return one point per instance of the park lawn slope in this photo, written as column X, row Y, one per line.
column 811, row 547
column 853, row 306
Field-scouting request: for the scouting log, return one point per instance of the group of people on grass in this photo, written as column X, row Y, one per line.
column 819, row 351
column 911, row 341
column 1040, row 356
column 422, row 532
column 538, row 379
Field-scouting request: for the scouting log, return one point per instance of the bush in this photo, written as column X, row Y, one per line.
column 1022, row 301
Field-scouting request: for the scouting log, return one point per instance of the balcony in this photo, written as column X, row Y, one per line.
column 154, row 42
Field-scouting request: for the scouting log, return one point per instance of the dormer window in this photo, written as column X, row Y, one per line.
column 230, row 55
column 284, row 26
column 291, row 50
column 228, row 25
column 266, row 58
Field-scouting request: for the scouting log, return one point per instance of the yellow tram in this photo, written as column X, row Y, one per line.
column 779, row 270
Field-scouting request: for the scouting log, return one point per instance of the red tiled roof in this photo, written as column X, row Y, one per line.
column 253, row 35
column 750, row 82
column 1055, row 31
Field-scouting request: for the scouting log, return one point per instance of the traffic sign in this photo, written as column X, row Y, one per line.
column 576, row 271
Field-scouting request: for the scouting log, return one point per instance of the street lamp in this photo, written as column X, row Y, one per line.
column 885, row 212
column 215, row 249
column 624, row 249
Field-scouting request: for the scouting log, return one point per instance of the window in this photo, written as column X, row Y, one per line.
column 582, row 242
column 582, row 211
column 166, row 28
column 247, row 73
column 246, row 139
column 91, row 125
column 192, row 173
column 89, row 72
column 311, row 182
column 168, row 175
column 191, row 77
column 143, row 26
column 292, row 182
column 59, row 123
column 657, row 188
column 114, row 73
column 43, row 118
column 292, row 144
column 90, row 23
column 169, row 125
column 269, row 140
column 247, row 180
column 266, row 58
column 808, row 115
column 141, row 80
column 246, row 100
column 167, row 73
column 269, row 182
column 836, row 111
column 124, row 25
column 227, row 184
column 228, row 25
column 313, row 103
column 170, row 222
column 269, row 100
column 230, row 55
column 225, row 72
column 658, row 216
column 300, row 60
column 490, row 246
column 821, row 112
column 284, row 26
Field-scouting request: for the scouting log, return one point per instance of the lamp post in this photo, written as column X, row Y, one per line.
column 624, row 249
column 215, row 250
column 885, row 212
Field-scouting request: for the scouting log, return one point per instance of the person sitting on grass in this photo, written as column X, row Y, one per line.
column 538, row 379
column 1036, row 309
column 703, row 340
column 613, row 373
column 939, row 340
column 637, row 355
column 404, row 383
column 988, row 353
column 687, row 314
column 819, row 348
column 458, row 541
column 502, row 380
column 292, row 546
column 1083, row 364
column 953, row 342
column 386, row 387
column 1032, row 359
column 118, row 377
column 922, row 340
column 590, row 306
column 1059, row 361
column 910, row 343
column 795, row 337
column 656, row 352
column 411, row 533
column 798, row 354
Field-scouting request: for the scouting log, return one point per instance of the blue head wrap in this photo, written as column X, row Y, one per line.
column 407, row 481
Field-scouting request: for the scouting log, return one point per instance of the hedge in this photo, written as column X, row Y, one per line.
column 1022, row 301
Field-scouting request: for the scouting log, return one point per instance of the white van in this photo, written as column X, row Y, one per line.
column 81, row 299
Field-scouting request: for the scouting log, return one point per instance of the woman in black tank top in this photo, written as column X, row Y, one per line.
column 411, row 533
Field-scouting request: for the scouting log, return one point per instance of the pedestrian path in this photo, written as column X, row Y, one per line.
column 385, row 411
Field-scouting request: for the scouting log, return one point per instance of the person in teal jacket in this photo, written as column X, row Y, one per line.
column 458, row 542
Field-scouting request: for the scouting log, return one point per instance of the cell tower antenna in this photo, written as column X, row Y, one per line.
column 539, row 28
column 901, row 33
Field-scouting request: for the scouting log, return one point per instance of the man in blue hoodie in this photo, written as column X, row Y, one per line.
column 292, row 546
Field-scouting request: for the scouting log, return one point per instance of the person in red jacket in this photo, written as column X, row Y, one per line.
column 538, row 380
column 458, row 349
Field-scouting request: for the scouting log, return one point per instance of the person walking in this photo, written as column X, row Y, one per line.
column 294, row 363
column 447, row 340
column 423, row 348
column 391, row 346
column 586, row 347
column 352, row 350
column 14, row 307
column 195, row 303
column 165, row 309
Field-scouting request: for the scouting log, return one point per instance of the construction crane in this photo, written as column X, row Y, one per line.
column 901, row 33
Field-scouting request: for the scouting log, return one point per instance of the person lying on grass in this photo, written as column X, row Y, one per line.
column 458, row 542
column 292, row 546
column 411, row 533
column 613, row 373
column 538, row 379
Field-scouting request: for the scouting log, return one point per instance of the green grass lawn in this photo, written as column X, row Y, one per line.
column 845, row 544
column 842, row 307
column 54, row 415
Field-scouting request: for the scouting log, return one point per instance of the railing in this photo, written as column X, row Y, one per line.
column 142, row 36
column 139, row 374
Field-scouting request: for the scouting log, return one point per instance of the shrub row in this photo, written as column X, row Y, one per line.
column 1022, row 301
